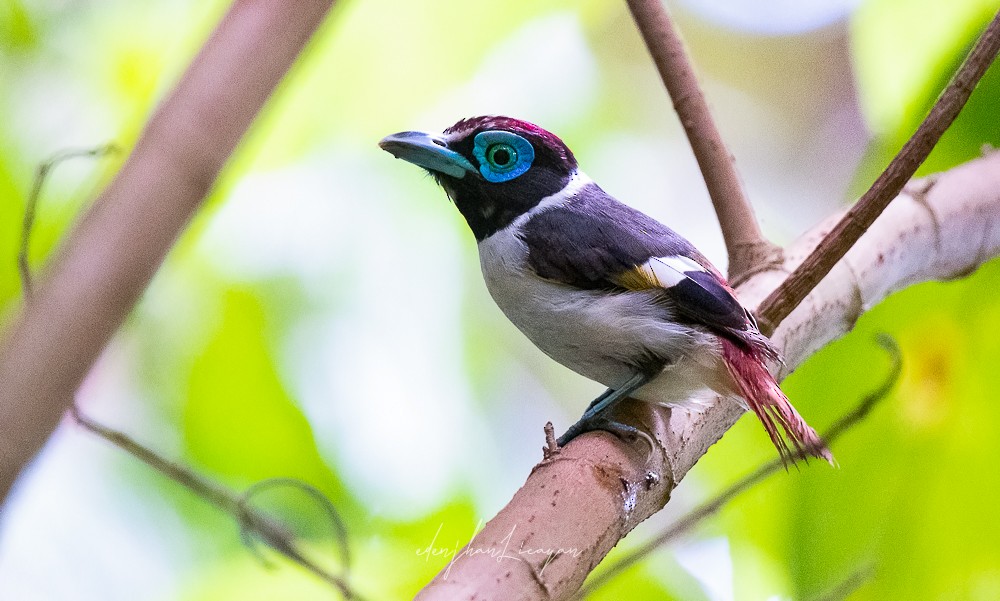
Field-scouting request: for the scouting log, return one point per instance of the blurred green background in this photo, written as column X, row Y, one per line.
column 324, row 317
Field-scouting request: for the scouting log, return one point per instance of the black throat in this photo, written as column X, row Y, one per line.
column 488, row 207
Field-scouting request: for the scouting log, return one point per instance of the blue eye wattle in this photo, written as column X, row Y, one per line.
column 502, row 155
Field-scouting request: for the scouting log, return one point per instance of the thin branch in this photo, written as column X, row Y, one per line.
column 749, row 252
column 31, row 206
column 860, row 217
column 269, row 530
column 711, row 507
column 847, row 587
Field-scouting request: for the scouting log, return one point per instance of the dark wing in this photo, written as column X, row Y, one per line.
column 595, row 242
column 699, row 295
column 589, row 241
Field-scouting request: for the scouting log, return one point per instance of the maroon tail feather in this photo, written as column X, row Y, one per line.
column 758, row 387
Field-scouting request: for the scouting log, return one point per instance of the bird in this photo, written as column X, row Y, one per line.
column 598, row 286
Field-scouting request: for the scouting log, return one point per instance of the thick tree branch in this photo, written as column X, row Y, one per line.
column 749, row 252
column 576, row 506
column 113, row 251
column 690, row 520
column 860, row 217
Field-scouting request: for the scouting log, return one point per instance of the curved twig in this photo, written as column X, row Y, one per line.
column 31, row 206
column 339, row 528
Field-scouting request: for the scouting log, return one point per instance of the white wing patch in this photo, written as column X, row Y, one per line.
column 667, row 272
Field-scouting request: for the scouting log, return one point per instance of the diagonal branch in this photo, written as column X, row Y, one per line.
column 749, row 252
column 860, row 217
column 113, row 251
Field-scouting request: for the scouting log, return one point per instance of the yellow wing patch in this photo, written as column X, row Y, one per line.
column 640, row 277
column 658, row 272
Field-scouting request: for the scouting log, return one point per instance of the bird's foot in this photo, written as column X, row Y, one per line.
column 625, row 432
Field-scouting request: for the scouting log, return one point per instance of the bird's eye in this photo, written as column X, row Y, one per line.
column 502, row 155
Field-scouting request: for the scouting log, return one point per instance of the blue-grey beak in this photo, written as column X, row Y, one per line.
column 427, row 151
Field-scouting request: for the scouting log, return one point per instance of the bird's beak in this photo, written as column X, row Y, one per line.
column 428, row 151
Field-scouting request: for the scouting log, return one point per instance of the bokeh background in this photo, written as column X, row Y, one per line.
column 324, row 317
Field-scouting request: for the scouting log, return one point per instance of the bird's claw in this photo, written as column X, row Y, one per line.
column 624, row 432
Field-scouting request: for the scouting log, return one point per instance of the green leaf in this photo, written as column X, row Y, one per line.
column 17, row 31
column 238, row 418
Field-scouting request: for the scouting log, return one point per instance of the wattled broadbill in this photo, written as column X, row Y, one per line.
column 598, row 286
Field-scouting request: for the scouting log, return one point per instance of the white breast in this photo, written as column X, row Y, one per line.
column 597, row 334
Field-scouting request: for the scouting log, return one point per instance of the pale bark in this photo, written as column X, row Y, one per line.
column 583, row 501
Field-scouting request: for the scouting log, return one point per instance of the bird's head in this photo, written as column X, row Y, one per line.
column 495, row 169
